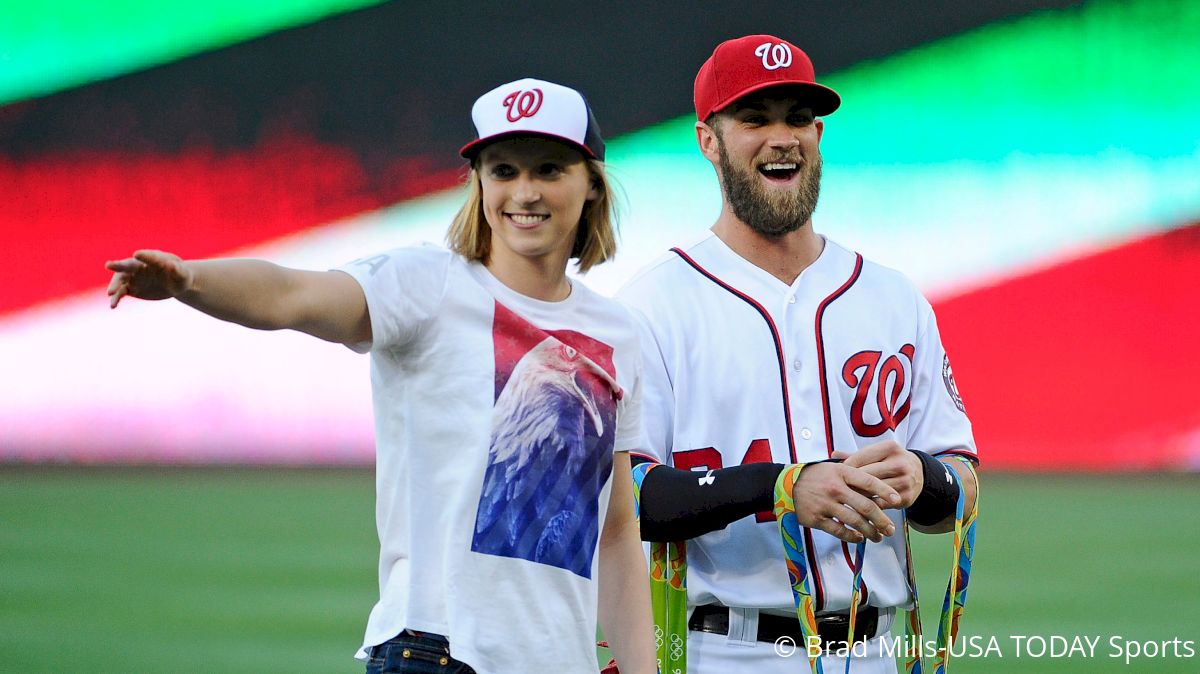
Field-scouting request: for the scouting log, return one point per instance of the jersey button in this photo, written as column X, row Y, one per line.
column 791, row 299
column 796, row 365
column 806, row 434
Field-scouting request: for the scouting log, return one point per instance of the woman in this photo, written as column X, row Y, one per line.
column 506, row 400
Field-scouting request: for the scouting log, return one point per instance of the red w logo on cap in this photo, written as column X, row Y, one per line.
column 523, row 104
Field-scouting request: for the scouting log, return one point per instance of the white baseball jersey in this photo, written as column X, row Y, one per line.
column 740, row 367
column 496, row 417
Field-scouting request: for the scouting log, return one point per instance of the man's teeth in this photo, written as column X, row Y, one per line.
column 779, row 167
column 527, row 219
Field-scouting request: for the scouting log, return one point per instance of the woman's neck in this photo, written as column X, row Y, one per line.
column 540, row 278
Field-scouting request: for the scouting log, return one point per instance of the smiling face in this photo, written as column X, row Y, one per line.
column 767, row 151
column 533, row 193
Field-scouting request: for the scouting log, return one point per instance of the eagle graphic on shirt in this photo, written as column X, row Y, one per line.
column 550, row 453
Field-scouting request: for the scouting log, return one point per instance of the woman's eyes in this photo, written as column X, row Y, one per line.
column 549, row 169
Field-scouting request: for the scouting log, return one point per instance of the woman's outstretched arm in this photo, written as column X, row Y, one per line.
column 254, row 293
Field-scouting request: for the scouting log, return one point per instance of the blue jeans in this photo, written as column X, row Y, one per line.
column 408, row 653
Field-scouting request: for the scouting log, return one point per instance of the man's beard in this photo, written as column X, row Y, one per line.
column 771, row 213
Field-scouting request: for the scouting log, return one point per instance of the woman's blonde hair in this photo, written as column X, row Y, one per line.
column 595, row 239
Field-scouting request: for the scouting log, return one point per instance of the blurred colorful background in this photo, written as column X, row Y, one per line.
column 178, row 493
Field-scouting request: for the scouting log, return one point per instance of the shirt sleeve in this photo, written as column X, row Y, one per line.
column 404, row 288
column 940, row 424
column 657, row 398
column 629, row 415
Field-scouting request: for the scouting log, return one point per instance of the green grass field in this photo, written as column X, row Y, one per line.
column 273, row 570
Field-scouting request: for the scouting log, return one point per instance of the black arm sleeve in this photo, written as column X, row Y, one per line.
column 939, row 497
column 680, row 504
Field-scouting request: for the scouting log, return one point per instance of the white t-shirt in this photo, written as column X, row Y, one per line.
column 741, row 368
column 496, row 416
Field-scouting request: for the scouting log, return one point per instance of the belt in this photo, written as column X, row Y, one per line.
column 832, row 627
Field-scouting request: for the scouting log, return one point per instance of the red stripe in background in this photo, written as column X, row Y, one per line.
column 1091, row 364
column 63, row 215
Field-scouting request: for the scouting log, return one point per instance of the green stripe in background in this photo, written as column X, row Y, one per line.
column 1107, row 75
column 50, row 46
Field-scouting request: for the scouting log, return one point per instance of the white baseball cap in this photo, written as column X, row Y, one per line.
column 535, row 107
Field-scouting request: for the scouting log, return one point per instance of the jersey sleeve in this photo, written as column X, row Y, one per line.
column 657, row 400
column 940, row 423
column 403, row 288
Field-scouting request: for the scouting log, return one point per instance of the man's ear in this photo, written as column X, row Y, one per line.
column 820, row 123
column 706, row 138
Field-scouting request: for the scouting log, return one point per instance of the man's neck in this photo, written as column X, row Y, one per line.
column 783, row 257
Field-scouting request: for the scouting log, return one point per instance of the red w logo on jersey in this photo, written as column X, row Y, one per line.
column 862, row 372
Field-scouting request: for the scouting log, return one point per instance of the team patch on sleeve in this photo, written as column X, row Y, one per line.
column 951, row 387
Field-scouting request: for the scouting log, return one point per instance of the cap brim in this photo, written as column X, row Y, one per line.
column 820, row 98
column 470, row 150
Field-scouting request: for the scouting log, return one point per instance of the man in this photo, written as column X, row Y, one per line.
column 768, row 344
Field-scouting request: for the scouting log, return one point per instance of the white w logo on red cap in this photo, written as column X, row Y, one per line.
column 523, row 103
column 775, row 55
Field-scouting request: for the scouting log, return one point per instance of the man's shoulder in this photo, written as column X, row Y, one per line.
column 650, row 277
column 883, row 285
column 877, row 275
column 664, row 275
column 888, row 276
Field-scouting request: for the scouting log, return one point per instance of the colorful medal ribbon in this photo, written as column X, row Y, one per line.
column 668, row 583
column 668, row 591
column 797, row 564
column 956, row 589
column 955, row 600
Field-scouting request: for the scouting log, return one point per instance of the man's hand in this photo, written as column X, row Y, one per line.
column 844, row 501
column 899, row 468
column 148, row 275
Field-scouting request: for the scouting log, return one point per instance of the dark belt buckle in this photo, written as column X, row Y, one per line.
column 833, row 628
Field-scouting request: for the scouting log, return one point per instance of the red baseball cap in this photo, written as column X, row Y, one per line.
column 748, row 64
